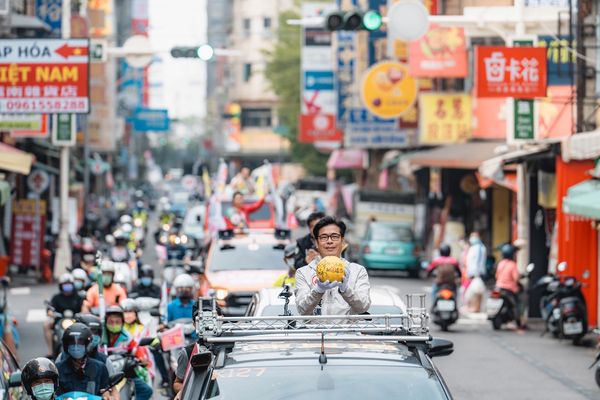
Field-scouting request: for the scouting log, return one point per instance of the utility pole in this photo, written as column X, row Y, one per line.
column 63, row 253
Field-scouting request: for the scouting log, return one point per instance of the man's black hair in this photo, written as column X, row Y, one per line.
column 236, row 193
column 315, row 216
column 323, row 222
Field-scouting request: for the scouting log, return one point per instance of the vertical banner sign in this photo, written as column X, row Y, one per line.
column 318, row 107
column 44, row 76
column 445, row 117
column 50, row 11
column 561, row 61
column 518, row 72
column 523, row 119
column 63, row 130
column 28, row 227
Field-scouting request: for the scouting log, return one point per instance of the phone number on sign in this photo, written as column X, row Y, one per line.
column 44, row 105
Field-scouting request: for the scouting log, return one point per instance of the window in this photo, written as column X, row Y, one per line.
column 247, row 72
column 256, row 117
column 267, row 23
column 247, row 25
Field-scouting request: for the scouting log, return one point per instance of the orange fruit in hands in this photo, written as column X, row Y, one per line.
column 331, row 269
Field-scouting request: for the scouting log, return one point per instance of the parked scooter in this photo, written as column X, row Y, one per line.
column 596, row 362
column 502, row 306
column 573, row 324
column 445, row 310
column 549, row 302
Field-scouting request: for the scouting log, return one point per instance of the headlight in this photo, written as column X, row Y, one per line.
column 65, row 323
column 221, row 294
column 166, row 227
column 163, row 239
column 137, row 222
column 184, row 239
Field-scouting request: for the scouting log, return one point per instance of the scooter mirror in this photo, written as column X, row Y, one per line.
column 562, row 267
column 530, row 268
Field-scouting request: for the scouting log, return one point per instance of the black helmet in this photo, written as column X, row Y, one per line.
column 508, row 250
column 36, row 369
column 77, row 333
column 91, row 321
column 445, row 250
column 147, row 271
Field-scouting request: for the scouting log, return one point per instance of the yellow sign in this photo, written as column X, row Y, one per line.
column 387, row 89
column 445, row 118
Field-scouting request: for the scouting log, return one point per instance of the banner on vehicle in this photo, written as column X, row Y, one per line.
column 172, row 339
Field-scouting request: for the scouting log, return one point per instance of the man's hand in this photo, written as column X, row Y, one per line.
column 310, row 255
column 322, row 287
column 345, row 282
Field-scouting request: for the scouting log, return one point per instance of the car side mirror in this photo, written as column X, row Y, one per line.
column 147, row 341
column 440, row 348
column 15, row 379
column 201, row 361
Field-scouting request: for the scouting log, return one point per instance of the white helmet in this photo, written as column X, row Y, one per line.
column 66, row 278
column 183, row 281
column 126, row 219
column 108, row 266
column 80, row 274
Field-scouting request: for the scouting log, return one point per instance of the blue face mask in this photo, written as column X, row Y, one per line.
column 67, row 288
column 95, row 341
column 43, row 391
column 77, row 351
column 78, row 285
column 146, row 281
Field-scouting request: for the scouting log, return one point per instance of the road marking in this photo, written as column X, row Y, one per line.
column 36, row 315
column 20, row 291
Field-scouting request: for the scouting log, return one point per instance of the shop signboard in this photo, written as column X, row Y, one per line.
column 44, row 76
column 518, row 72
column 50, row 11
column 440, row 53
column 561, row 59
column 28, row 228
column 150, row 120
column 445, row 117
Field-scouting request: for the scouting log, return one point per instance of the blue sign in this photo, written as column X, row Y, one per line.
column 147, row 119
column 346, row 59
column 318, row 80
column 365, row 130
column 50, row 11
column 560, row 59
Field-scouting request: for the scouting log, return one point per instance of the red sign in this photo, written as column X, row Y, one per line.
column 441, row 52
column 37, row 134
column 173, row 338
column 44, row 76
column 518, row 72
column 318, row 127
column 28, row 228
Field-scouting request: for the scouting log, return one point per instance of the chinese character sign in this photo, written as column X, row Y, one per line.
column 388, row 90
column 28, row 227
column 44, row 76
column 519, row 72
column 445, row 118
column 441, row 52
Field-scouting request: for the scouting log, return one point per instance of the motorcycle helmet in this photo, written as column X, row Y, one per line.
column 445, row 250
column 93, row 322
column 147, row 271
column 76, row 340
column 183, row 281
column 125, row 219
column 66, row 283
column 140, row 204
column 37, row 369
column 129, row 305
column 80, row 278
column 290, row 251
column 508, row 251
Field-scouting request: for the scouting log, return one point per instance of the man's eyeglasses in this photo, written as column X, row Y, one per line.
column 335, row 237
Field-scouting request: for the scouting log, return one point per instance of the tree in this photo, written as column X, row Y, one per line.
column 283, row 73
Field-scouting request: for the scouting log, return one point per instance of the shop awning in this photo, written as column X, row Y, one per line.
column 468, row 155
column 582, row 146
column 4, row 192
column 347, row 159
column 493, row 168
column 21, row 21
column 583, row 199
column 15, row 160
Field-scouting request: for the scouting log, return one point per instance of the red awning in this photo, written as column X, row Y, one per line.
column 347, row 159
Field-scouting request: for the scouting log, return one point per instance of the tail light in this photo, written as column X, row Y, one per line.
column 367, row 249
column 568, row 309
column 496, row 294
column 446, row 294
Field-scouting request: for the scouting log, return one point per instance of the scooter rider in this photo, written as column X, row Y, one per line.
column 66, row 299
column 120, row 251
column 507, row 277
column 77, row 371
column 446, row 270
column 93, row 322
column 80, row 281
column 182, row 306
column 289, row 277
column 113, row 293
column 146, row 286
column 40, row 379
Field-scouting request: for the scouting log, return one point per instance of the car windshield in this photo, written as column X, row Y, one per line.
column 247, row 256
column 332, row 381
column 399, row 233
column 262, row 214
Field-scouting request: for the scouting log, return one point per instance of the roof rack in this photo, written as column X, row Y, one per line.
column 409, row 327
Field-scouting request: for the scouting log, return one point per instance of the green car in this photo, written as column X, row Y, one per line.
column 390, row 246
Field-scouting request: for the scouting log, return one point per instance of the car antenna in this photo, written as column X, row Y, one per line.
column 322, row 356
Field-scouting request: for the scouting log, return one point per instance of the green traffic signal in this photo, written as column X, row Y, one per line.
column 353, row 20
column 372, row 20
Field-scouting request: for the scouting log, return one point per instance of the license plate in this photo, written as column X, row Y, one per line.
column 393, row 251
column 556, row 313
column 494, row 305
column 446, row 305
column 572, row 328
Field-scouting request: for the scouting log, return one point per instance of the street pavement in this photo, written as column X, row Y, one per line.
column 486, row 364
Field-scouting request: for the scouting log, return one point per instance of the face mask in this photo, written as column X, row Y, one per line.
column 184, row 295
column 92, row 275
column 77, row 351
column 78, row 285
column 114, row 328
column 289, row 263
column 67, row 288
column 473, row 241
column 95, row 341
column 43, row 391
column 107, row 280
column 146, row 281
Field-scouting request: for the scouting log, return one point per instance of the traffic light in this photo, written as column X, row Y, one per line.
column 353, row 21
column 204, row 52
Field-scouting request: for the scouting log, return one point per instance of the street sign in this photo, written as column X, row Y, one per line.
column 50, row 11
column 388, row 90
column 38, row 181
column 138, row 50
column 98, row 50
column 147, row 119
column 44, row 76
column 63, row 130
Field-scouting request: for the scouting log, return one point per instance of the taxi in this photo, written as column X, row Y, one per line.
column 240, row 264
